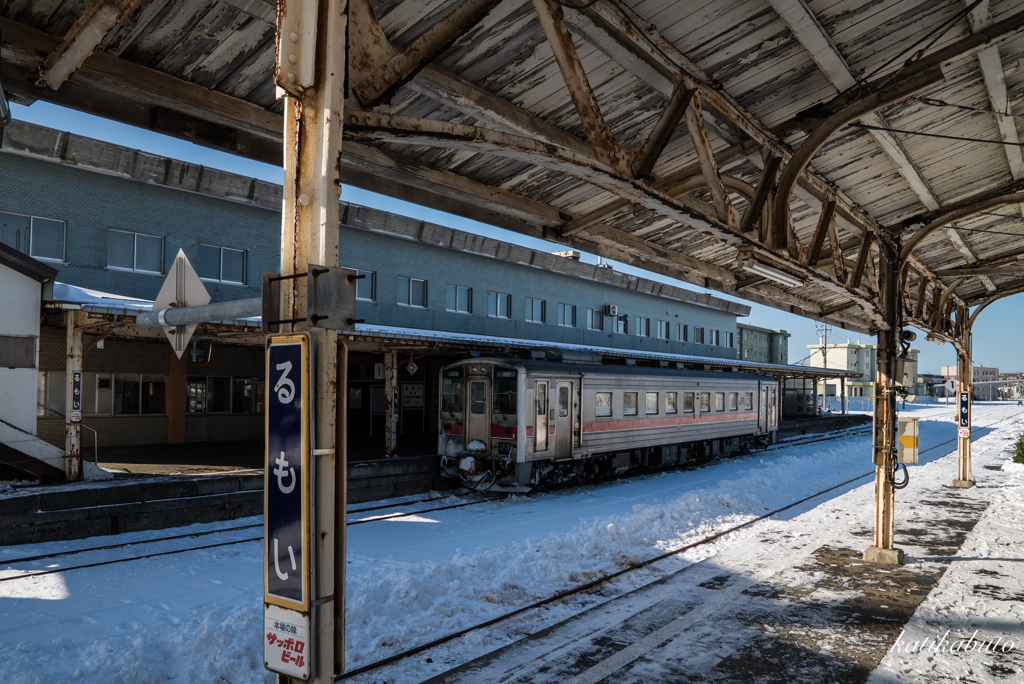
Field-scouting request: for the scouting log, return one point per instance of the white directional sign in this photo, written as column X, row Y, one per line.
column 286, row 568
column 182, row 287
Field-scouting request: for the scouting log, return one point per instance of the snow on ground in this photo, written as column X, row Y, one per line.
column 197, row 616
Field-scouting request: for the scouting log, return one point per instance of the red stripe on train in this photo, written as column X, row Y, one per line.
column 640, row 423
column 503, row 432
column 452, row 428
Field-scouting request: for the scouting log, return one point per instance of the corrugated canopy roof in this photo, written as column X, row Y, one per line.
column 642, row 131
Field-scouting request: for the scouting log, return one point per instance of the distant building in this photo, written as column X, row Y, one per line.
column 762, row 344
column 934, row 385
column 863, row 358
column 983, row 387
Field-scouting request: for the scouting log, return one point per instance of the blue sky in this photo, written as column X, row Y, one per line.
column 996, row 334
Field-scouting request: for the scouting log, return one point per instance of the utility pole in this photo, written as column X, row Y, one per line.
column 823, row 330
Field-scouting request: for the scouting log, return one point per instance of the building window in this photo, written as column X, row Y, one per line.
column 662, row 330
column 458, row 299
column 643, row 326
column 595, row 319
column 681, row 332
column 671, row 402
column 629, row 403
column 746, row 336
column 651, row 400
column 730, row 339
column 134, row 252
column 499, row 305
column 412, row 292
column 719, row 401
column 224, row 395
column 604, row 404
column 716, row 338
column 366, row 287
column 41, row 238
column 698, row 335
column 621, row 326
column 221, row 264
column 734, row 401
column 746, row 353
column 535, row 310
column 567, row 315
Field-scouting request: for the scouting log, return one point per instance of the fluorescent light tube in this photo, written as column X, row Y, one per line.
column 747, row 263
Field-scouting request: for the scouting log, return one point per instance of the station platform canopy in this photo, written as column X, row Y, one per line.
column 781, row 151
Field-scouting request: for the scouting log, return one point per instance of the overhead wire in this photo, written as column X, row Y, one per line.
column 933, row 135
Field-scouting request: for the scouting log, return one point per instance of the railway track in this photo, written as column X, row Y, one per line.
column 108, row 547
column 606, row 578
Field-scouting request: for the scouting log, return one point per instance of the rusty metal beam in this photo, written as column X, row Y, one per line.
column 855, row 103
column 81, row 40
column 403, row 66
column 702, row 145
column 1013, row 269
column 646, row 157
column 384, row 128
column 940, row 306
column 827, row 217
column 922, row 293
column 606, row 147
column 761, row 195
column 862, row 258
column 961, row 211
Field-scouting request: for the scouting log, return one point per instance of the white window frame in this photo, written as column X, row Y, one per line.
column 409, row 282
column 29, row 243
column 595, row 315
column 663, row 328
column 372, row 275
column 245, row 265
column 530, row 310
column 497, row 309
column 469, row 299
column 622, row 324
column 135, row 252
column 563, row 309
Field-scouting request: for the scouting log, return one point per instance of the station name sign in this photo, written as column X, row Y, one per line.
column 963, row 415
column 286, row 545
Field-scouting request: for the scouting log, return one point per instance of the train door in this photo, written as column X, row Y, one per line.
column 563, row 420
column 540, row 418
column 762, row 410
column 478, row 428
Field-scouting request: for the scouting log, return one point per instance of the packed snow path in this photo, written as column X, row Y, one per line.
column 198, row 617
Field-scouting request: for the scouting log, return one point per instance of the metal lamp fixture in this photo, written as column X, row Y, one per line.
column 747, row 263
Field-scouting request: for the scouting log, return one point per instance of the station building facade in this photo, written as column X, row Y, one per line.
column 111, row 219
column 761, row 344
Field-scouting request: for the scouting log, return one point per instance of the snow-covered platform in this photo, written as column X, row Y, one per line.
column 796, row 602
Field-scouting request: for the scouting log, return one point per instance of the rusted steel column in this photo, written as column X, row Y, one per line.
column 73, row 430
column 884, row 426
column 391, row 403
column 311, row 72
column 965, row 377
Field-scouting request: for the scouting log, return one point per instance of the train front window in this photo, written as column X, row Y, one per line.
column 505, row 386
column 478, row 397
column 451, row 390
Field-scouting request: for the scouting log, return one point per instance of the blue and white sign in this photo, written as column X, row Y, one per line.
column 287, row 479
column 76, row 397
column 286, row 520
column 963, row 415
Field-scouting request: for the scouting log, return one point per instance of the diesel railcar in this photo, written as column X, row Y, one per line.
column 519, row 425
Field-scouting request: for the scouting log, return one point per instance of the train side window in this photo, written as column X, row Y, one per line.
column 719, row 401
column 563, row 402
column 705, row 402
column 672, row 402
column 688, row 402
column 629, row 403
column 604, row 404
column 451, row 391
column 748, row 401
column 542, row 399
column 477, row 397
column 734, row 401
column 652, row 403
